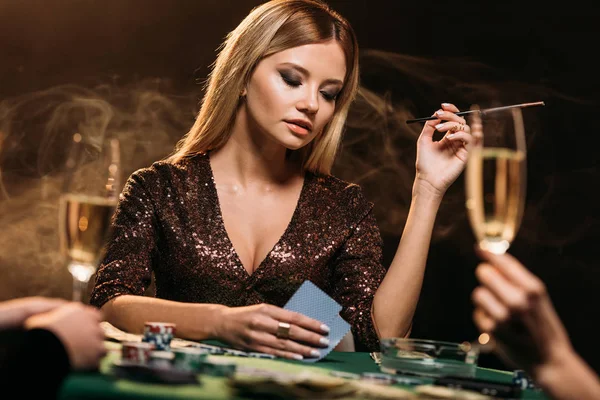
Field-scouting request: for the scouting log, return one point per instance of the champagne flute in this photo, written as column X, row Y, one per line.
column 496, row 175
column 88, row 200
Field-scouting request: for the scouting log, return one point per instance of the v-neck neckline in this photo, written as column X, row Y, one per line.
column 219, row 213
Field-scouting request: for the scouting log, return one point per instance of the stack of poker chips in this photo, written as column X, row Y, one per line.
column 160, row 334
column 136, row 352
column 189, row 358
column 161, row 359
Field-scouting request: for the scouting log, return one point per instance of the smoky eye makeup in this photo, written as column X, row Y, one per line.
column 290, row 78
column 294, row 79
column 330, row 95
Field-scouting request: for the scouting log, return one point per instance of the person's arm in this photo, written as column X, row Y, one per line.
column 13, row 313
column 78, row 328
column 439, row 163
column 125, row 272
column 514, row 307
column 127, row 265
column 19, row 346
column 248, row 328
column 569, row 378
column 397, row 297
column 38, row 355
column 195, row 321
column 357, row 273
column 34, row 363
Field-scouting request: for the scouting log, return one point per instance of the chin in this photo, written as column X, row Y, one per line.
column 295, row 146
column 294, row 143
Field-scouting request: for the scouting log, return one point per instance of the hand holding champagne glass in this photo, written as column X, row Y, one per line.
column 89, row 198
column 496, row 175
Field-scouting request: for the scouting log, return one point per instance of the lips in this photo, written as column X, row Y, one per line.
column 299, row 126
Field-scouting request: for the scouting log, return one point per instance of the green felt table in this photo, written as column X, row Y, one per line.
column 104, row 385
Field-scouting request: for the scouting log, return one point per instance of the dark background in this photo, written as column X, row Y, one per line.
column 47, row 43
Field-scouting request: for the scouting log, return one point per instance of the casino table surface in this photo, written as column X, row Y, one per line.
column 103, row 384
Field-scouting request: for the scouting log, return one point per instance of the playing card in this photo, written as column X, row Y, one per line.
column 338, row 329
column 311, row 301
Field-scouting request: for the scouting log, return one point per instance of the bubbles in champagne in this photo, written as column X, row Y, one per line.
column 495, row 190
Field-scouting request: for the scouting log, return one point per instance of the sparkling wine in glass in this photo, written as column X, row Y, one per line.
column 496, row 175
column 87, row 203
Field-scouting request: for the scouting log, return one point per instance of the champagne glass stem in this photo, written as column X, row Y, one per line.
column 81, row 273
column 78, row 289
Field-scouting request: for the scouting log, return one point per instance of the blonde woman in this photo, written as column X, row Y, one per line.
column 245, row 210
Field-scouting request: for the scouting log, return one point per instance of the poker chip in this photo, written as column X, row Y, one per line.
column 189, row 358
column 522, row 380
column 161, row 359
column 159, row 333
column 136, row 352
column 160, row 327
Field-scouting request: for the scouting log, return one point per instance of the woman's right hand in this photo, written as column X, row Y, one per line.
column 255, row 327
column 513, row 305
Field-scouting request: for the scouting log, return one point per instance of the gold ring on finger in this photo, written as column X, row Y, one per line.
column 283, row 330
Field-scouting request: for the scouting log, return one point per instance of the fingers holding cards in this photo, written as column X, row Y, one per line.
column 312, row 302
column 300, row 324
column 308, row 327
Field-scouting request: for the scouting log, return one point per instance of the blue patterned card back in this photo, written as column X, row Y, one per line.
column 313, row 302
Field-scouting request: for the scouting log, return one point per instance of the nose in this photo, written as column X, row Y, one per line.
column 309, row 103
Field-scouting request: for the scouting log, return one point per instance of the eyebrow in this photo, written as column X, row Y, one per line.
column 305, row 72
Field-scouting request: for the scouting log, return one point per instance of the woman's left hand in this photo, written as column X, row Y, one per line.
column 439, row 163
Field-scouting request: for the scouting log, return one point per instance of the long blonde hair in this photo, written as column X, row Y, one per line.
column 270, row 28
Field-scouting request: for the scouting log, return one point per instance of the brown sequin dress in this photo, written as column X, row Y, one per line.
column 169, row 222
